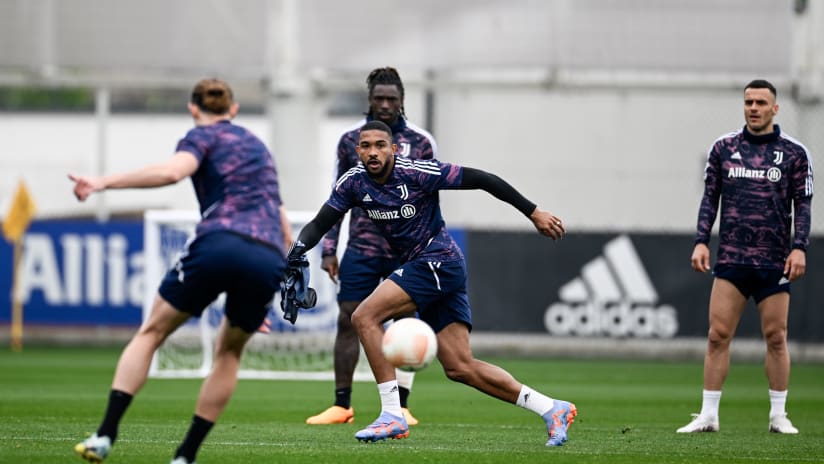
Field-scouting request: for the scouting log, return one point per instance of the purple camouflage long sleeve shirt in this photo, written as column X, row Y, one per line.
column 364, row 237
column 406, row 209
column 236, row 182
column 758, row 179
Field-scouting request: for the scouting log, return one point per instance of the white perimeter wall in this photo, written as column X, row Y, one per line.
column 601, row 159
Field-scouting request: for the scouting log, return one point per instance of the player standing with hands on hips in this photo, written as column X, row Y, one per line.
column 368, row 258
column 764, row 181
column 239, row 248
column 401, row 197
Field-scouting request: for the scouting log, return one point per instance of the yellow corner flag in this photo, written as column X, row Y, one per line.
column 14, row 226
column 20, row 214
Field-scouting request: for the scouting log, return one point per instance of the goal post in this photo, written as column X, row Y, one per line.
column 300, row 351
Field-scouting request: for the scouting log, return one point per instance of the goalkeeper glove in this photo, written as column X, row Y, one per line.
column 295, row 292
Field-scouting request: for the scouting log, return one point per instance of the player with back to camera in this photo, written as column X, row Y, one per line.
column 401, row 197
column 368, row 259
column 763, row 179
column 239, row 248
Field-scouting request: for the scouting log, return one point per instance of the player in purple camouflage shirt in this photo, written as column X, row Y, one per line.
column 239, row 248
column 368, row 259
column 401, row 197
column 764, row 181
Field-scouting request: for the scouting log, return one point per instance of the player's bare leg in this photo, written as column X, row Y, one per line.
column 726, row 307
column 727, row 304
column 774, row 311
column 347, row 345
column 216, row 389
column 133, row 365
column 460, row 365
column 346, row 354
column 386, row 302
column 130, row 376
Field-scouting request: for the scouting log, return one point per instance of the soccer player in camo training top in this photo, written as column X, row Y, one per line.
column 368, row 259
column 239, row 248
column 764, row 181
column 401, row 197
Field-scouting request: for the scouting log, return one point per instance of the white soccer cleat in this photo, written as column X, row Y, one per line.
column 181, row 460
column 94, row 449
column 780, row 424
column 700, row 424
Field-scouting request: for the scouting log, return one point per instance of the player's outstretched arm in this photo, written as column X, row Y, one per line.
column 545, row 222
column 179, row 166
column 312, row 232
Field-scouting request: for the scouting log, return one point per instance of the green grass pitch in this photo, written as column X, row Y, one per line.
column 50, row 398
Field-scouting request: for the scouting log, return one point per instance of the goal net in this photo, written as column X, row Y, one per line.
column 300, row 351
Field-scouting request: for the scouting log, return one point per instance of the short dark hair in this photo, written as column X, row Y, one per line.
column 762, row 84
column 377, row 125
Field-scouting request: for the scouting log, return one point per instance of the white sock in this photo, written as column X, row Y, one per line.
column 534, row 401
column 778, row 403
column 390, row 400
column 709, row 406
column 405, row 378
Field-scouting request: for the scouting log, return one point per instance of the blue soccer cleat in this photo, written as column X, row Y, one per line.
column 385, row 426
column 558, row 419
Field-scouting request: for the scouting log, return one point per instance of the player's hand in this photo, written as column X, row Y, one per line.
column 85, row 186
column 548, row 224
column 796, row 264
column 331, row 266
column 700, row 260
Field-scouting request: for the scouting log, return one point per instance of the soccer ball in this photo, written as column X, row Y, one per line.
column 410, row 344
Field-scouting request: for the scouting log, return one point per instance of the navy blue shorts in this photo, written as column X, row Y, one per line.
column 359, row 274
column 247, row 270
column 753, row 282
column 438, row 290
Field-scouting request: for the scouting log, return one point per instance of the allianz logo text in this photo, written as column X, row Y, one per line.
column 614, row 297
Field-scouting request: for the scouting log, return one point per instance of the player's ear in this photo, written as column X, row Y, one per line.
column 233, row 110
column 394, row 148
column 193, row 109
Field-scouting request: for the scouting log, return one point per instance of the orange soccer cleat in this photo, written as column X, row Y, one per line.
column 333, row 415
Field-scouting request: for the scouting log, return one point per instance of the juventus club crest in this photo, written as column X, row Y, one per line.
column 779, row 157
column 404, row 148
column 403, row 191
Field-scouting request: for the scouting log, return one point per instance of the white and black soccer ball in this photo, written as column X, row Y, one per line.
column 409, row 344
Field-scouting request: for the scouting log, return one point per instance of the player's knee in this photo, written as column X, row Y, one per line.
column 344, row 321
column 360, row 320
column 458, row 373
column 152, row 333
column 719, row 336
column 776, row 338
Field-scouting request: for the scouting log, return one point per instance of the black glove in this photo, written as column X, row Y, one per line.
column 295, row 292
